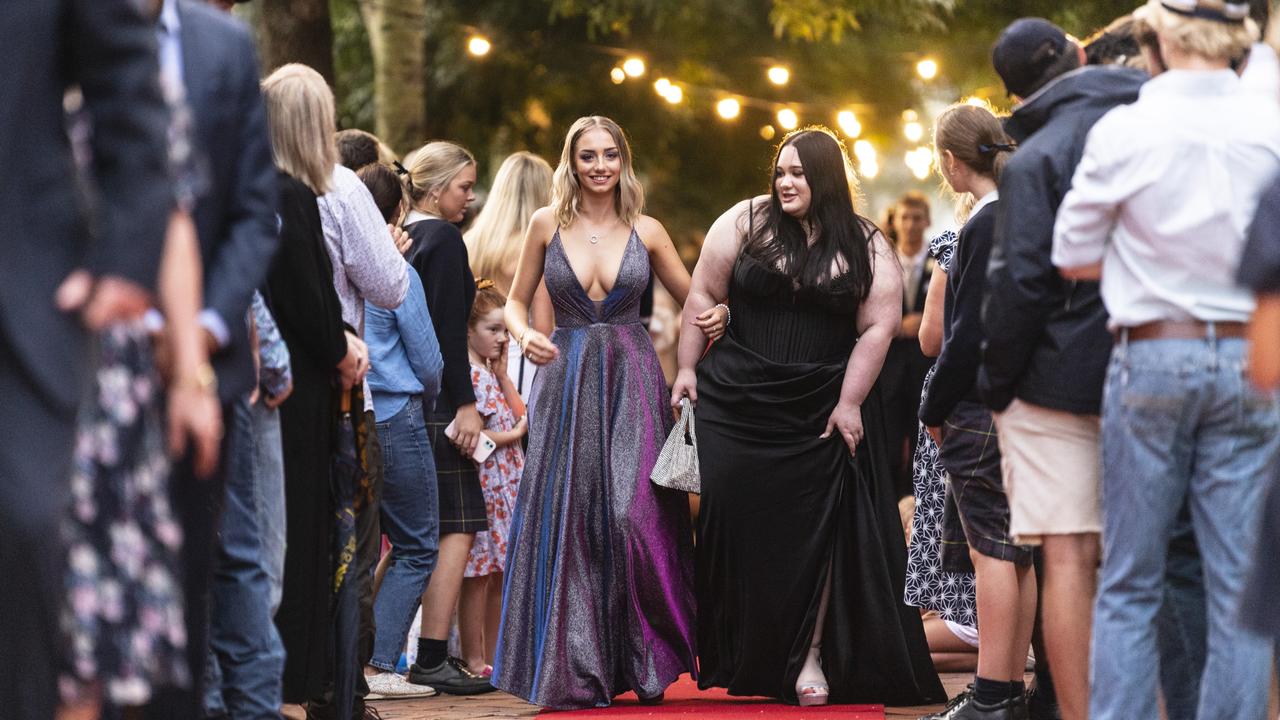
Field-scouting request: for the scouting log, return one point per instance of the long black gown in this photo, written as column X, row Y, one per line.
column 305, row 305
column 778, row 503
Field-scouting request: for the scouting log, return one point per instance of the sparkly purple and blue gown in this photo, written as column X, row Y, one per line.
column 598, row 592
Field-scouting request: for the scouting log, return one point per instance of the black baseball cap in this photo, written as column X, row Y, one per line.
column 1025, row 51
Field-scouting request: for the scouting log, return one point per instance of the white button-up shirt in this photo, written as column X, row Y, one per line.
column 1164, row 194
column 366, row 263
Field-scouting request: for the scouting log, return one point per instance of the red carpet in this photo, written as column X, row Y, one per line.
column 685, row 699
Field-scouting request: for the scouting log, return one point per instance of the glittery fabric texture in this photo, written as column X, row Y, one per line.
column 598, row 593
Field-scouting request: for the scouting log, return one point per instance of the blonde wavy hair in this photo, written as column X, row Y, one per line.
column 1198, row 36
column 566, row 193
column 300, row 116
column 432, row 167
column 522, row 185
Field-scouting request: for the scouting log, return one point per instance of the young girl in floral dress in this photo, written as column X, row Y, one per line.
column 499, row 403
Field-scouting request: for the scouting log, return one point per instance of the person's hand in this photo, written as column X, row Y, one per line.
column 522, row 426
column 103, row 301
column 499, row 364
column 467, row 425
column 910, row 327
column 686, row 384
column 713, row 322
column 935, row 432
column 538, row 348
column 401, row 238
column 274, row 401
column 356, row 362
column 194, row 416
column 847, row 419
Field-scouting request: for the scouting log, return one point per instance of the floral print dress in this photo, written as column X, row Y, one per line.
column 499, row 477
column 930, row 586
column 124, row 613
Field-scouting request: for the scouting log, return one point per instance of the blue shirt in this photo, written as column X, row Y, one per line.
column 404, row 355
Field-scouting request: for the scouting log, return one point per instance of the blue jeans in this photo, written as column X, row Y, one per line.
column 411, row 520
column 268, row 482
column 1180, row 423
column 1180, row 626
column 243, row 677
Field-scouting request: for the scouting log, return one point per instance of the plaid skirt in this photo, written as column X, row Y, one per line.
column 461, row 500
column 970, row 453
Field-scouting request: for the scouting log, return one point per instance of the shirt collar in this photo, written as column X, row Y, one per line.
column 984, row 201
column 170, row 21
column 1192, row 82
column 414, row 216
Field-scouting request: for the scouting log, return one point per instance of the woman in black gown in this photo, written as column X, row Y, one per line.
column 800, row 560
column 323, row 358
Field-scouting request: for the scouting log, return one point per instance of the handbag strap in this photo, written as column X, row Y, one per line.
column 686, row 419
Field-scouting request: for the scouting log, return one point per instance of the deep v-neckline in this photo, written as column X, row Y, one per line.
column 577, row 280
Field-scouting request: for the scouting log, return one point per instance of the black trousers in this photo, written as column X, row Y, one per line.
column 197, row 502
column 36, row 442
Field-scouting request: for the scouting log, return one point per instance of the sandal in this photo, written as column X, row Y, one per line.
column 811, row 687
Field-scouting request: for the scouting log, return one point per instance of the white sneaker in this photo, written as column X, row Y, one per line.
column 393, row 686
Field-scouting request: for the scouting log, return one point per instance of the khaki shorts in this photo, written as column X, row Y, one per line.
column 1052, row 467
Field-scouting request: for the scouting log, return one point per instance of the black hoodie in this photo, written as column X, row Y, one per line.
column 1046, row 337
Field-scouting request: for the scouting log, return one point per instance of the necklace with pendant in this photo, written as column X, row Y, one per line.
column 595, row 239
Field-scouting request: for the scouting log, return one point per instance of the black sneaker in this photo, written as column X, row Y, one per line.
column 451, row 676
column 1042, row 706
column 953, row 705
column 977, row 711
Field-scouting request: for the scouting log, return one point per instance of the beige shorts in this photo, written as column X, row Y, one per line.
column 1052, row 468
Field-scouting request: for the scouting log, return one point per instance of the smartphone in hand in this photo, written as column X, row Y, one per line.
column 484, row 447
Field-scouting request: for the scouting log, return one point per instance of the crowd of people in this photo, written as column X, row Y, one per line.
column 269, row 406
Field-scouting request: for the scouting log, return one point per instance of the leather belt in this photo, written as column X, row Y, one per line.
column 1182, row 330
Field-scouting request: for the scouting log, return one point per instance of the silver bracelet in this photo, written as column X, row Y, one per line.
column 728, row 316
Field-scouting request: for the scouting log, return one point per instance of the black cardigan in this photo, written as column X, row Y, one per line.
column 440, row 258
column 957, row 367
column 300, row 286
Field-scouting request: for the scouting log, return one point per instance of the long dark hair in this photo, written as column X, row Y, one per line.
column 779, row 239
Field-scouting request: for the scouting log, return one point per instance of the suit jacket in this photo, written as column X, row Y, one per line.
column 915, row 304
column 108, row 50
column 235, row 213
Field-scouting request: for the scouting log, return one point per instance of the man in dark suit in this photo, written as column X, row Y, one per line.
column 106, row 48
column 214, row 56
column 905, row 366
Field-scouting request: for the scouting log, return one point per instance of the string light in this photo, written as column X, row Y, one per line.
column 728, row 108
column 674, row 94
column 848, row 123
column 779, row 75
column 927, row 69
column 479, row 45
column 767, row 132
column 633, row 67
column 920, row 161
column 913, row 131
column 868, row 162
column 662, row 86
column 618, row 76
column 787, row 119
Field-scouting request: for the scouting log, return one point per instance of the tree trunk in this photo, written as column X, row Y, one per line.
column 296, row 31
column 398, row 36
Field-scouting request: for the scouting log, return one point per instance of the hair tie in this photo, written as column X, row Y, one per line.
column 483, row 283
column 996, row 147
column 402, row 170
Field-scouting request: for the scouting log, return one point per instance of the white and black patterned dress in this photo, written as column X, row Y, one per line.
column 929, row 586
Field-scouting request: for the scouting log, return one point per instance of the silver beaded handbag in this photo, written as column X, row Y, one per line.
column 677, row 465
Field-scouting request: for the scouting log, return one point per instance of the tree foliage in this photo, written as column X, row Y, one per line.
column 551, row 61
